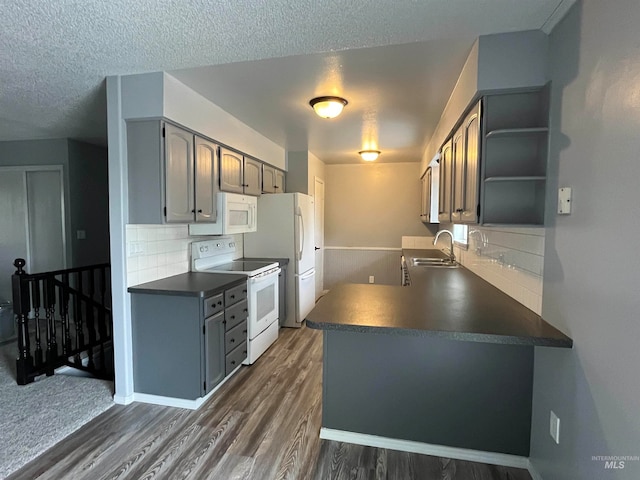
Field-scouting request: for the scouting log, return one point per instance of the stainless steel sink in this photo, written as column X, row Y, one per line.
column 433, row 262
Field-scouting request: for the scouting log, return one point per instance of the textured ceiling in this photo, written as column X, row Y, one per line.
column 54, row 55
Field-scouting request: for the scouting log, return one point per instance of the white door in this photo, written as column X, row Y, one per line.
column 304, row 237
column 13, row 233
column 31, row 209
column 318, row 201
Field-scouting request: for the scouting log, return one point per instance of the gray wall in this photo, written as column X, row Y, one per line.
column 592, row 266
column 426, row 389
column 42, row 152
column 89, row 205
column 86, row 190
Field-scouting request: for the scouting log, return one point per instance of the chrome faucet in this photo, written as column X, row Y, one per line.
column 452, row 256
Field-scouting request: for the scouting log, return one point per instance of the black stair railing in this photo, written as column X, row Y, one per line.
column 72, row 308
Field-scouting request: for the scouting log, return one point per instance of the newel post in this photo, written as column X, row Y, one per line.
column 21, row 307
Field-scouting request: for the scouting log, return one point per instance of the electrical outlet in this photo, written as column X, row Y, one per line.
column 554, row 427
column 372, row 279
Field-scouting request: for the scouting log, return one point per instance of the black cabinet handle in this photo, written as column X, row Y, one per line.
column 233, row 362
column 200, row 210
column 244, row 331
column 219, row 302
column 232, row 296
column 233, row 317
column 244, row 351
column 193, row 210
column 244, row 291
column 244, row 310
column 233, row 340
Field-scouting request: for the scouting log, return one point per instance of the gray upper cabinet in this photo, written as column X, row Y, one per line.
column 172, row 174
column 445, row 182
column 240, row 174
column 466, row 174
column 206, row 180
column 268, row 179
column 272, row 179
column 425, row 203
column 231, row 171
column 179, row 172
column 280, row 186
column 252, row 176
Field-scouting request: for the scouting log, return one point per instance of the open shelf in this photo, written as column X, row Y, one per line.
column 515, row 179
column 514, row 201
column 510, row 132
column 517, row 110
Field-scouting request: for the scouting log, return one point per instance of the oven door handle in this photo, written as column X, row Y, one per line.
column 264, row 278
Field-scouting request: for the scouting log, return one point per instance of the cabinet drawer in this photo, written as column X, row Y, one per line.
column 235, row 294
column 236, row 314
column 236, row 358
column 235, row 336
column 213, row 305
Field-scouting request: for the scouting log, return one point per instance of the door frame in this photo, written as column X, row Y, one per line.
column 63, row 213
column 319, row 278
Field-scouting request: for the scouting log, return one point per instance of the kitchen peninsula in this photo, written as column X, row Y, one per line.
column 446, row 361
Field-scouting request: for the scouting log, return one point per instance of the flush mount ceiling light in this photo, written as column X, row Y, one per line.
column 328, row 107
column 369, row 155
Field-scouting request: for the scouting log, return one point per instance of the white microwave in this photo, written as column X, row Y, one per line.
column 236, row 214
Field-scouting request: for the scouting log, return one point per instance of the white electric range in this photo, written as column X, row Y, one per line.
column 217, row 256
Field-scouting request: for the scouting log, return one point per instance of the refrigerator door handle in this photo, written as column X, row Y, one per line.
column 308, row 275
column 302, row 234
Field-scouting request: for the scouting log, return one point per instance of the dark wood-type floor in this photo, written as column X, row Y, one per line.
column 263, row 424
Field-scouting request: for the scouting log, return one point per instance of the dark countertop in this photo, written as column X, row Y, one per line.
column 190, row 284
column 448, row 303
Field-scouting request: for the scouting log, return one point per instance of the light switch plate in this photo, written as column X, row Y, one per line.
column 554, row 427
column 564, row 200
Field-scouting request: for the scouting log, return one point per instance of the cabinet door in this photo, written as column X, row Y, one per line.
column 471, row 130
column 444, row 194
column 457, row 176
column 280, row 182
column 268, row 179
column 252, row 176
column 178, row 175
column 425, row 206
column 214, row 351
column 206, row 180
column 231, row 171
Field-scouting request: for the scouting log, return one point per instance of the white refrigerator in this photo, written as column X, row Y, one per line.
column 285, row 230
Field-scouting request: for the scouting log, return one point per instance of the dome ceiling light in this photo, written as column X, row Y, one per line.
column 328, row 107
column 369, row 155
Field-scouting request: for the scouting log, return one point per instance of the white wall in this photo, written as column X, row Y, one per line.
column 592, row 264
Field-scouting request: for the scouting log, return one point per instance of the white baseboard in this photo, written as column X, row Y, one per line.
column 123, row 399
column 492, row 458
column 533, row 472
column 180, row 402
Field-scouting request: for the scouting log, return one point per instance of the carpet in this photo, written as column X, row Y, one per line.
column 35, row 417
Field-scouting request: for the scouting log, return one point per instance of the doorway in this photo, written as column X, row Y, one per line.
column 319, row 234
column 32, row 211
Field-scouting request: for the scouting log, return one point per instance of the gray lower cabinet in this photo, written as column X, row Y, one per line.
column 184, row 346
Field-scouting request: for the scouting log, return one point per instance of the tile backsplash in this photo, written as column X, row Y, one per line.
column 159, row 251
column 511, row 259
